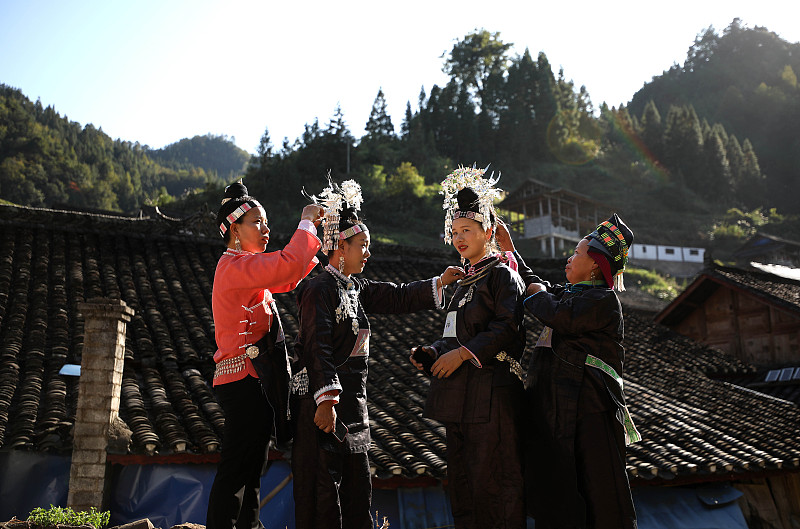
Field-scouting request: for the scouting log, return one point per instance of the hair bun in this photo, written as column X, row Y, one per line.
column 467, row 200
column 235, row 190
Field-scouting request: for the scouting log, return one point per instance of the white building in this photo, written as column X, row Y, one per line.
column 657, row 252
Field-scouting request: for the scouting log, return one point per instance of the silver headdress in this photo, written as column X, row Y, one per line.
column 472, row 178
column 333, row 198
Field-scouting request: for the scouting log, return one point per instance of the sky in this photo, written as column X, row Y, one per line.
column 159, row 71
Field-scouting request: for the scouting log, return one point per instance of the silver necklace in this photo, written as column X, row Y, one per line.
column 348, row 296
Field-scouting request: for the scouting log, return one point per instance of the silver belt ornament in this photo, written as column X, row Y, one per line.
column 236, row 364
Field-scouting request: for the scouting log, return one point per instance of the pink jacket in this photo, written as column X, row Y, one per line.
column 243, row 287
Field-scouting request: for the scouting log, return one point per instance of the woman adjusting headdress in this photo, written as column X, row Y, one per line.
column 579, row 420
column 251, row 380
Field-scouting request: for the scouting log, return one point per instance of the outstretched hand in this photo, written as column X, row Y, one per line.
column 503, row 237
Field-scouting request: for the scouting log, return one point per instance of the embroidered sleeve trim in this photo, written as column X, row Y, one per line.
column 330, row 387
column 438, row 294
column 324, row 398
column 474, row 359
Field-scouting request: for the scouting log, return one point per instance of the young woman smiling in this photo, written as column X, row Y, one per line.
column 476, row 386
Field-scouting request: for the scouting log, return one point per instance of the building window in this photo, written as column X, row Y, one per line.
column 694, row 252
column 644, row 249
column 669, row 251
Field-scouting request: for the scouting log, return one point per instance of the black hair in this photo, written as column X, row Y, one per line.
column 468, row 201
column 235, row 195
column 348, row 217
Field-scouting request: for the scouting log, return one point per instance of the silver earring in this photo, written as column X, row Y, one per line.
column 341, row 264
column 591, row 276
column 463, row 262
column 237, row 244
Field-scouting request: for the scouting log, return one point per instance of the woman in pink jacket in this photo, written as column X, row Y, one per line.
column 249, row 337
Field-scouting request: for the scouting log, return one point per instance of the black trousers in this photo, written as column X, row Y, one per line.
column 332, row 490
column 602, row 478
column 234, row 501
column 484, row 467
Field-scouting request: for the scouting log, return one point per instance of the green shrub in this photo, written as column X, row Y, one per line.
column 652, row 283
column 66, row 516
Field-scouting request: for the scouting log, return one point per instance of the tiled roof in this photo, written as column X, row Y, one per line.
column 779, row 290
column 772, row 289
column 782, row 383
column 694, row 427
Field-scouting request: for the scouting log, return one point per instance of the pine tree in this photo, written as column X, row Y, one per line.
column 264, row 150
column 652, row 130
column 752, row 185
column 716, row 184
column 683, row 145
column 379, row 126
column 516, row 137
column 545, row 104
column 405, row 127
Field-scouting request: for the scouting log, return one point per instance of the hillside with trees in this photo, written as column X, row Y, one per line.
column 746, row 81
column 673, row 173
column 216, row 155
column 48, row 160
column 673, row 162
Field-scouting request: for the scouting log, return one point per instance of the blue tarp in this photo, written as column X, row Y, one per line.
column 172, row 494
column 29, row 480
column 711, row 506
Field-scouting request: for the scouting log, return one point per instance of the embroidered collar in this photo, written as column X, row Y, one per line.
column 582, row 285
column 234, row 252
column 480, row 265
column 479, row 270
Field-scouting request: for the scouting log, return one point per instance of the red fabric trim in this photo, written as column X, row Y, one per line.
column 604, row 266
column 175, row 459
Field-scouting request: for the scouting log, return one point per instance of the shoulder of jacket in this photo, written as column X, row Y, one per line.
column 503, row 272
column 316, row 284
column 605, row 294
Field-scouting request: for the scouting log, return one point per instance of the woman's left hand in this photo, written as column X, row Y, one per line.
column 447, row 364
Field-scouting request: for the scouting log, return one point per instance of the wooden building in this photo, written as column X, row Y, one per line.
column 752, row 315
column 555, row 216
column 768, row 249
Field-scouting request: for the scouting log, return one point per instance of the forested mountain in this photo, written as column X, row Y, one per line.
column 47, row 160
column 677, row 162
column 214, row 154
column 745, row 80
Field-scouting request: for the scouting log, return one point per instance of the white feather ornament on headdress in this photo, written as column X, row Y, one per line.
column 333, row 198
column 483, row 187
